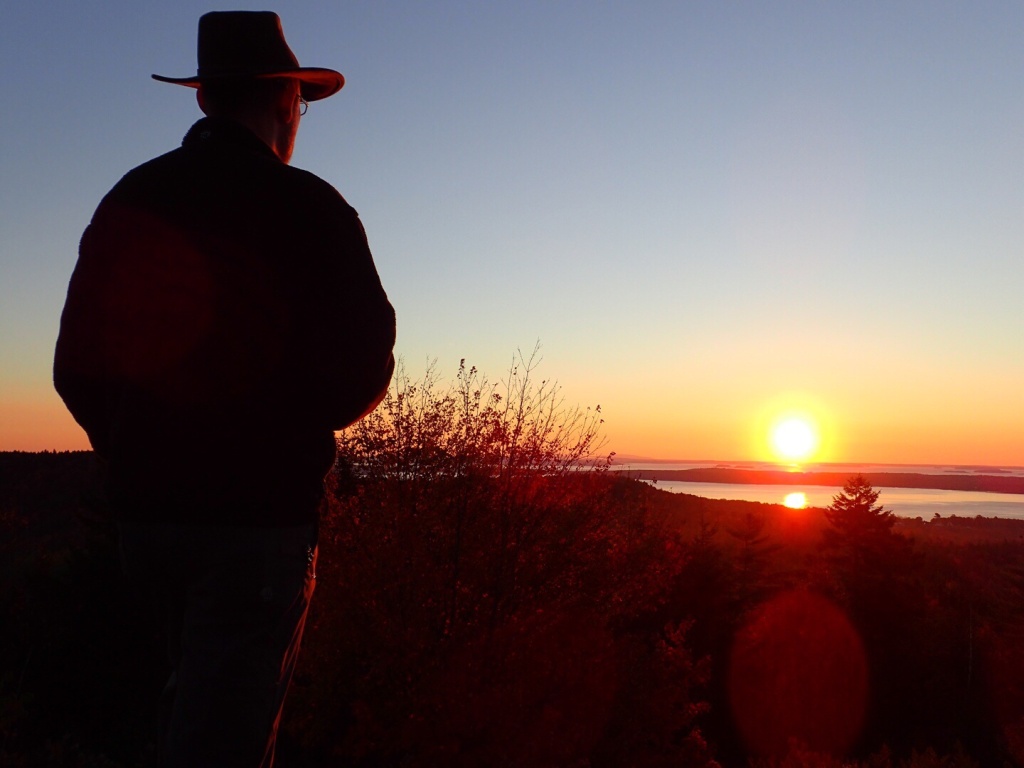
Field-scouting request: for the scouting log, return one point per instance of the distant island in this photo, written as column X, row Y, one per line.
column 733, row 476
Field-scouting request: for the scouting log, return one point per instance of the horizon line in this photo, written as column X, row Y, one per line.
column 633, row 458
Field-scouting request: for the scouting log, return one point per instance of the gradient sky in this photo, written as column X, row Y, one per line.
column 707, row 213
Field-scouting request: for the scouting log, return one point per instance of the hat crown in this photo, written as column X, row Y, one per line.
column 242, row 43
column 246, row 44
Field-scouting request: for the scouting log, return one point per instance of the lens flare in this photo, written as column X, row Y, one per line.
column 798, row 671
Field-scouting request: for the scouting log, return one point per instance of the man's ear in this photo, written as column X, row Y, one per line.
column 287, row 105
column 201, row 100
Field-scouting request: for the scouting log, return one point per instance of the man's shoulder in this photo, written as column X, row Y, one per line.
column 317, row 190
column 156, row 178
column 149, row 170
column 180, row 167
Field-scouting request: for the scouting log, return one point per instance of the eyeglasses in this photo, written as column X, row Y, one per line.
column 303, row 105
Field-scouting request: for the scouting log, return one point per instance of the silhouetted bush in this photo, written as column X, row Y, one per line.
column 478, row 574
column 482, row 600
column 77, row 668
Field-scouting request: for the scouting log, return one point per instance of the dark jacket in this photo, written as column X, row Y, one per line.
column 224, row 318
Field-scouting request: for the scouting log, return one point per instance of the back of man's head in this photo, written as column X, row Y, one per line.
column 246, row 98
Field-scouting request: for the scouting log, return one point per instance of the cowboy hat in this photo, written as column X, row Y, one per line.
column 235, row 45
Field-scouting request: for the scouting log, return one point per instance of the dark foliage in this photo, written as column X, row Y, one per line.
column 861, row 528
column 77, row 673
column 484, row 575
column 472, row 611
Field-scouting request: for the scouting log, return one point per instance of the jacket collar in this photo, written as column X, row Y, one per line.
column 222, row 132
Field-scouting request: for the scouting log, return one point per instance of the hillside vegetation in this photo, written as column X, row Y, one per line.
column 489, row 595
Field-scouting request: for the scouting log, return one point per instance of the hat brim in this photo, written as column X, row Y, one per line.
column 315, row 83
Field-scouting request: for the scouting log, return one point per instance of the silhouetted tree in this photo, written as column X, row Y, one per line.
column 703, row 586
column 873, row 577
column 854, row 512
column 861, row 539
column 752, row 559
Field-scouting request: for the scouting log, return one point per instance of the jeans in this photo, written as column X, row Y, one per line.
column 235, row 601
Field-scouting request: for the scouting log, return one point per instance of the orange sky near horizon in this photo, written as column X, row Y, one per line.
column 922, row 446
column 734, row 424
column 707, row 214
column 37, row 421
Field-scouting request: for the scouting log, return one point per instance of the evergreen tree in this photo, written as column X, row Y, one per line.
column 865, row 552
column 871, row 566
column 855, row 515
column 751, row 561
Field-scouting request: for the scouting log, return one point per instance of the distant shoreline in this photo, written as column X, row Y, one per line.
column 983, row 483
column 965, row 482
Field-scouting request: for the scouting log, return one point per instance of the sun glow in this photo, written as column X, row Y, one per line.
column 794, row 438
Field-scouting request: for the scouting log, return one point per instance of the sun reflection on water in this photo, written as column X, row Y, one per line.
column 795, row 500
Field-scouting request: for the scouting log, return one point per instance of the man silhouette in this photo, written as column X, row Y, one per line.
column 224, row 318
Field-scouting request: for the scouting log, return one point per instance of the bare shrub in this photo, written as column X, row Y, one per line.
column 480, row 573
column 492, row 483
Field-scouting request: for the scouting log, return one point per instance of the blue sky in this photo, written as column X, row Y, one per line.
column 706, row 212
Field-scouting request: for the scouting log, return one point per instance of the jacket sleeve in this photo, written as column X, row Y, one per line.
column 80, row 373
column 350, row 320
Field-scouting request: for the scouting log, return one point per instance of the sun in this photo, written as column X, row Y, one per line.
column 794, row 438
column 794, row 428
